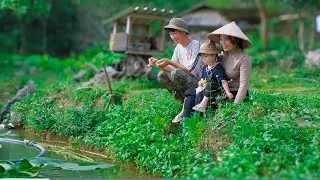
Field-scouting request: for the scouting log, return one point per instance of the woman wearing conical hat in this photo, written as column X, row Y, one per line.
column 236, row 62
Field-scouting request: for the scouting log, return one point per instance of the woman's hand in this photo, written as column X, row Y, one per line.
column 229, row 95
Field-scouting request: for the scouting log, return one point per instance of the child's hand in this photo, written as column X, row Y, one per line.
column 229, row 95
column 200, row 82
column 203, row 83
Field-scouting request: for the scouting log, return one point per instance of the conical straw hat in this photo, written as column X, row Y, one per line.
column 230, row 29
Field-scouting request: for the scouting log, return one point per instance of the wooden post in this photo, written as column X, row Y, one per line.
column 108, row 83
column 163, row 37
column 128, row 30
column 128, row 25
column 115, row 27
column 149, row 30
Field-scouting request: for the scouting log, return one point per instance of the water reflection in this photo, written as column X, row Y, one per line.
column 81, row 169
column 12, row 151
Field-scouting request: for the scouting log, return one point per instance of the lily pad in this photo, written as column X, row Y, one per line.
column 48, row 163
column 77, row 167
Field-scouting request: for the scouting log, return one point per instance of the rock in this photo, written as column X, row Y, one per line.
column 33, row 70
column 19, row 73
column 10, row 126
column 20, row 63
column 111, row 71
column 79, row 75
column 97, row 79
column 313, row 58
column 93, row 68
column 28, row 89
column 101, row 77
column 15, row 120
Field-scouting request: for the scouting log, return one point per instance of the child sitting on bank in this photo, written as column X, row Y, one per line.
column 213, row 76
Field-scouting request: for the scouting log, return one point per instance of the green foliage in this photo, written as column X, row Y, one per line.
column 281, row 78
column 131, row 85
column 135, row 132
column 99, row 54
column 35, row 26
column 22, row 169
column 23, row 7
column 194, row 128
column 31, row 168
column 167, row 53
column 45, row 70
column 273, row 135
column 120, row 6
column 17, row 70
column 270, row 139
column 65, row 112
column 282, row 51
column 300, row 5
column 43, row 26
column 61, row 26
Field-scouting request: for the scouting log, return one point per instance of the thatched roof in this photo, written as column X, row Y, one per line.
column 148, row 13
column 206, row 16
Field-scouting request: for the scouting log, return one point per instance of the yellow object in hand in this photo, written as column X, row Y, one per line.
column 203, row 83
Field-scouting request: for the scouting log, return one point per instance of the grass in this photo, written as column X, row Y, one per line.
column 274, row 135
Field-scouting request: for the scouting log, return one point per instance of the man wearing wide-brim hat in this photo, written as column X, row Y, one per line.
column 183, row 71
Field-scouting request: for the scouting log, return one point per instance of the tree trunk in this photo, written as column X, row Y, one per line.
column 301, row 34
column 312, row 33
column 264, row 21
column 44, row 35
column 23, row 38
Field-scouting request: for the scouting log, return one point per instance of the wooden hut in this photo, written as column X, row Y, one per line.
column 203, row 18
column 133, row 34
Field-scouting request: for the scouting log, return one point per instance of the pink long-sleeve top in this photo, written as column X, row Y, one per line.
column 238, row 66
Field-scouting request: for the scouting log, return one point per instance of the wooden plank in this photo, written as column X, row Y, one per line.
column 148, row 16
column 149, row 53
column 115, row 27
column 163, row 37
column 118, row 42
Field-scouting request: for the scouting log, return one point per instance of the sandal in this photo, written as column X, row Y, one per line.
column 199, row 108
column 177, row 119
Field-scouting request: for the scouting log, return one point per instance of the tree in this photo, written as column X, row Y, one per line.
column 261, row 6
column 24, row 10
column 306, row 10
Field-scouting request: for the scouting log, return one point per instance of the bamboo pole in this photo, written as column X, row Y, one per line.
column 108, row 83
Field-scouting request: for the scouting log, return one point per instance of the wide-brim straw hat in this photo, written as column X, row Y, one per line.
column 177, row 24
column 230, row 29
column 208, row 47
